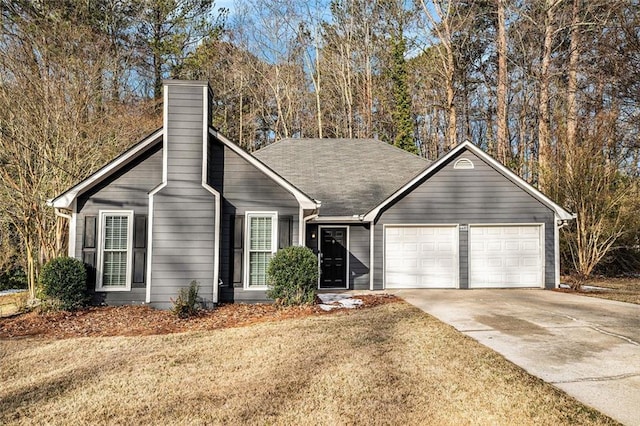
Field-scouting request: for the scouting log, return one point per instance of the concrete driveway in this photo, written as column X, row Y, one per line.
column 588, row 347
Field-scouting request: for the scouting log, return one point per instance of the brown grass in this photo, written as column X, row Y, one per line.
column 620, row 289
column 391, row 364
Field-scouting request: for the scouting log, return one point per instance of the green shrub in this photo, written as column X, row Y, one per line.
column 292, row 275
column 13, row 278
column 187, row 305
column 64, row 282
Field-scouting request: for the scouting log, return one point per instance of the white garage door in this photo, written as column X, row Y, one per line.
column 421, row 257
column 505, row 256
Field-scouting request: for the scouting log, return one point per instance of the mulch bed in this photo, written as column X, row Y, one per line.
column 144, row 320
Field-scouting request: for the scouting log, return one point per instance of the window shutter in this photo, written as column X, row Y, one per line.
column 285, row 228
column 89, row 248
column 139, row 249
column 238, row 245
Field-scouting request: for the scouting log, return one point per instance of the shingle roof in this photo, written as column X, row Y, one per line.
column 349, row 176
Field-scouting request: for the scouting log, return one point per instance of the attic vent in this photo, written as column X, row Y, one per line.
column 463, row 163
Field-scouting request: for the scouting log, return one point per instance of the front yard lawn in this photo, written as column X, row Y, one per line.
column 388, row 364
column 620, row 289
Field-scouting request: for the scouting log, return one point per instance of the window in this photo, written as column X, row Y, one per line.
column 114, row 266
column 261, row 245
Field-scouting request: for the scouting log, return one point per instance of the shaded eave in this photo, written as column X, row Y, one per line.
column 66, row 199
column 560, row 212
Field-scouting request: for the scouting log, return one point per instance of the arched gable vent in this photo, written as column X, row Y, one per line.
column 463, row 163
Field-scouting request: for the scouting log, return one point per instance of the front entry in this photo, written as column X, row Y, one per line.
column 333, row 258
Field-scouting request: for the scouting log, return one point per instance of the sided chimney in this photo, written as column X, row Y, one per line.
column 184, row 210
column 186, row 120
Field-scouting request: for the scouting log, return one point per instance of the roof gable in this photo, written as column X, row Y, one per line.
column 65, row 199
column 349, row 176
column 305, row 200
column 434, row 167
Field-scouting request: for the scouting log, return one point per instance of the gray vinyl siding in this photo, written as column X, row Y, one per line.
column 359, row 239
column 183, row 220
column 244, row 188
column 184, row 134
column 127, row 189
column 476, row 196
column 183, row 243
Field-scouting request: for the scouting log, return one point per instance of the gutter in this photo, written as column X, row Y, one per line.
column 302, row 239
column 59, row 213
column 339, row 219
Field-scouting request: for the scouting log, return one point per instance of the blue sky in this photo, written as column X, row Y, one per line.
column 228, row 4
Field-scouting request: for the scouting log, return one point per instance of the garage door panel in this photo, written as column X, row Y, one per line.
column 427, row 247
column 421, row 257
column 443, row 246
column 512, row 245
column 511, row 263
column 410, row 263
column 505, row 256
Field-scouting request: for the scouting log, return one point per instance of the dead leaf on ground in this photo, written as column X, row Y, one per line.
column 144, row 320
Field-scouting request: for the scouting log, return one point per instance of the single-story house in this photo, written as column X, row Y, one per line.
column 186, row 203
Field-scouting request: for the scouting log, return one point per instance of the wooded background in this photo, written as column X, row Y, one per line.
column 549, row 87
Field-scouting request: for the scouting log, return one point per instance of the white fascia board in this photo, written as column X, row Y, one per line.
column 66, row 199
column 304, row 200
column 517, row 180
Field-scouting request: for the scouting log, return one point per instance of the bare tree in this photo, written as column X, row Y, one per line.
column 504, row 147
column 445, row 21
column 544, row 139
column 54, row 125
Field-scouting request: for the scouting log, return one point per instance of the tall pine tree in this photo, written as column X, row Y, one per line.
column 402, row 119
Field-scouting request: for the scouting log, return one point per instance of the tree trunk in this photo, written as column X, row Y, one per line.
column 501, row 42
column 31, row 269
column 574, row 56
column 317, row 83
column 452, row 126
column 543, row 103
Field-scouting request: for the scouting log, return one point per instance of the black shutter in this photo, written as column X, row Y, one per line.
column 139, row 249
column 89, row 248
column 285, row 230
column 237, row 223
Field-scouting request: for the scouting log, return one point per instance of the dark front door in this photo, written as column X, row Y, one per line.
column 333, row 258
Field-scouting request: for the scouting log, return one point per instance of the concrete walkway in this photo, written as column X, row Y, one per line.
column 588, row 347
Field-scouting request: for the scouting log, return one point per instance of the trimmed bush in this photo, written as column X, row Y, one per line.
column 187, row 305
column 13, row 278
column 292, row 275
column 64, row 279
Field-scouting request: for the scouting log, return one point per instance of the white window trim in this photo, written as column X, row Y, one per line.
column 247, row 242
column 100, row 254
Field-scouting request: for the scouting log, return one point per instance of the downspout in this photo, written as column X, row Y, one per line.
column 303, row 227
column 559, row 224
column 302, row 231
column 60, row 214
column 71, row 235
column 371, row 249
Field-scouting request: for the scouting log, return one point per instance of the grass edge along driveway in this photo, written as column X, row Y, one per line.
column 391, row 364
